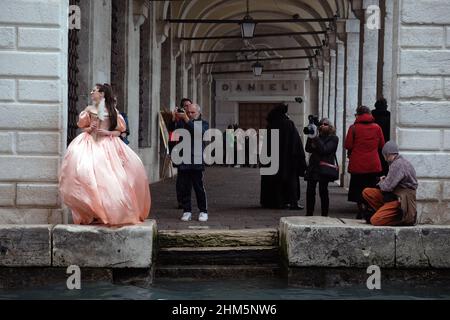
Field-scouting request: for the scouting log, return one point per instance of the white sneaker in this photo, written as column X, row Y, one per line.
column 203, row 217
column 187, row 216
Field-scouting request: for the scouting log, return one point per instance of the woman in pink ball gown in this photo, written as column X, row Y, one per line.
column 102, row 180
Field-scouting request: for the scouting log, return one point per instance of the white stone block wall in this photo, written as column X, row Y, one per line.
column 33, row 102
column 421, row 95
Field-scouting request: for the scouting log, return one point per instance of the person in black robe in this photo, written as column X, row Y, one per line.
column 282, row 189
column 383, row 119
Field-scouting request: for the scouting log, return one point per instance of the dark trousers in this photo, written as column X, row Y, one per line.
column 311, row 197
column 178, row 189
column 187, row 180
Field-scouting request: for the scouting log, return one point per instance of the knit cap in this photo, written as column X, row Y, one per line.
column 389, row 148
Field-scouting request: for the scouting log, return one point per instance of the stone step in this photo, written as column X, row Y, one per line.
column 255, row 255
column 217, row 238
column 217, row 271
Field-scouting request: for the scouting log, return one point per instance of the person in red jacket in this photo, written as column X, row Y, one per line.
column 364, row 139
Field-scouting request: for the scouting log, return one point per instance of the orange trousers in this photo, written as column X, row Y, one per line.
column 387, row 213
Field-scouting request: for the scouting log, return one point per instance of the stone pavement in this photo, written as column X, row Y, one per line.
column 233, row 202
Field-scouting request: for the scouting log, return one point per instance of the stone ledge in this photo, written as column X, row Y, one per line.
column 25, row 245
column 329, row 242
column 423, row 247
column 85, row 246
column 92, row 246
column 336, row 244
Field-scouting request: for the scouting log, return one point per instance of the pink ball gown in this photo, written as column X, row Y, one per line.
column 102, row 180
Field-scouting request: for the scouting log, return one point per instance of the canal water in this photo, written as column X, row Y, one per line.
column 254, row 289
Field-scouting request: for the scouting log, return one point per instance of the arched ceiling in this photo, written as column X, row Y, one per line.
column 259, row 9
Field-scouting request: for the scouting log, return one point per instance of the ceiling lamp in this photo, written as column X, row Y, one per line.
column 257, row 68
column 247, row 25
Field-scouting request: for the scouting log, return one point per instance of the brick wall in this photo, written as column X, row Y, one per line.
column 423, row 106
column 33, row 94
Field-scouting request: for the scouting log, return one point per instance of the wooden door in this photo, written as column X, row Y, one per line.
column 253, row 115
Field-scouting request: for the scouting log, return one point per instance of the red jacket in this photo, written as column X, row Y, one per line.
column 364, row 139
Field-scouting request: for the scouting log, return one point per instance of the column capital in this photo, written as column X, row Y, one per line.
column 352, row 25
column 162, row 31
column 188, row 60
column 140, row 12
column 313, row 73
column 357, row 8
column 319, row 61
column 331, row 36
column 176, row 47
column 341, row 29
column 368, row 3
column 326, row 54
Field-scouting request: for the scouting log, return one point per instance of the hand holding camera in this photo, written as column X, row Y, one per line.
column 311, row 130
column 180, row 110
column 179, row 114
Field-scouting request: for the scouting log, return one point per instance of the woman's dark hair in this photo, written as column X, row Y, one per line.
column 362, row 110
column 381, row 104
column 110, row 104
column 183, row 101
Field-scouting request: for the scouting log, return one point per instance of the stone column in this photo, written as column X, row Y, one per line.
column 388, row 38
column 339, row 106
column 94, row 48
column 369, row 56
column 155, row 97
column 352, row 71
column 351, row 86
column 313, row 92
column 326, row 88
column 320, row 101
column 332, row 92
column 136, row 16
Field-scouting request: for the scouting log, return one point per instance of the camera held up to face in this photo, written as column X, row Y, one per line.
column 311, row 130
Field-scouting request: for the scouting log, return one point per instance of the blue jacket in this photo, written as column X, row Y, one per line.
column 189, row 126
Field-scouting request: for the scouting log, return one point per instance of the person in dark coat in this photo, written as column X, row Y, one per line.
column 283, row 189
column 383, row 119
column 363, row 141
column 322, row 148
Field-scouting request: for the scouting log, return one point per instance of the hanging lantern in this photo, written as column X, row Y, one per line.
column 257, row 68
column 247, row 25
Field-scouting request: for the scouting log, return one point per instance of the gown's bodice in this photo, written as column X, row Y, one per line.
column 103, row 124
column 88, row 116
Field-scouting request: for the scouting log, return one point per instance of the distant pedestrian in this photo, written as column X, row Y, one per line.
column 383, row 118
column 282, row 190
column 364, row 139
column 323, row 149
